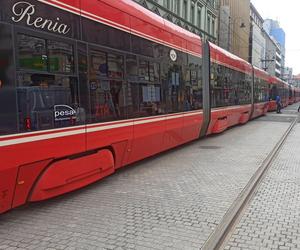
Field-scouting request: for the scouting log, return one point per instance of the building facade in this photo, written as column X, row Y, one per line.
column 257, row 41
column 288, row 75
column 296, row 80
column 272, row 59
column 235, row 27
column 197, row 16
column 273, row 28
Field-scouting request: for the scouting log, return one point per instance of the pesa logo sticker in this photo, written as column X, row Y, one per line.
column 64, row 112
column 173, row 55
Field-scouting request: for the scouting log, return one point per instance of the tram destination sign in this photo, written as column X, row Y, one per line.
column 26, row 12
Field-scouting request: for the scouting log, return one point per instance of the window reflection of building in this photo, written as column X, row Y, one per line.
column 39, row 93
column 229, row 87
column 106, row 86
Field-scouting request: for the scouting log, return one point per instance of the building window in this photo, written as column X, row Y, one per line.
column 213, row 27
column 167, row 4
column 177, row 7
column 208, row 24
column 199, row 16
column 192, row 13
column 184, row 14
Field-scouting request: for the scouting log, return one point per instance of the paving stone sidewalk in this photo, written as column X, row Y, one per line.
column 272, row 220
column 172, row 201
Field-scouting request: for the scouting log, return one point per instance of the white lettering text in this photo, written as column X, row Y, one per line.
column 25, row 11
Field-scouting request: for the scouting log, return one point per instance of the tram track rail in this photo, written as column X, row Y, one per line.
column 221, row 235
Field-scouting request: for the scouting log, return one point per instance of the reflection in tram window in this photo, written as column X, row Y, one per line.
column 144, row 100
column 106, row 87
column 144, row 70
column 229, row 87
column 154, row 72
column 261, row 90
column 47, row 101
column 273, row 92
column 107, row 102
column 193, row 85
column 32, row 53
column 115, row 66
column 61, row 57
column 131, row 68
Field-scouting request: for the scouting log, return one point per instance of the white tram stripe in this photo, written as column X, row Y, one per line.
column 40, row 137
column 32, row 137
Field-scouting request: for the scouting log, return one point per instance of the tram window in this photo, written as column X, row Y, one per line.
column 107, row 100
column 144, row 70
column 144, row 47
column 193, row 85
column 172, row 83
column 115, row 66
column 131, row 68
column 144, row 96
column 154, row 72
column 61, row 58
column 260, row 90
column 8, row 119
column 144, row 99
column 48, row 101
column 273, row 92
column 83, row 78
column 229, row 87
column 106, row 87
column 32, row 53
column 98, row 66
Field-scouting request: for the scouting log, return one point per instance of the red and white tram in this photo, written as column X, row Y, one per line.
column 87, row 87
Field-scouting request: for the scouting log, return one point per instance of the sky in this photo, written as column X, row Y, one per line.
column 288, row 15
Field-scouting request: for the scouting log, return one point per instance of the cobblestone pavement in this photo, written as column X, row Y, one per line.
column 272, row 220
column 172, row 201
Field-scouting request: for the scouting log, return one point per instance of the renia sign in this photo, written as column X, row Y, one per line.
column 25, row 11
